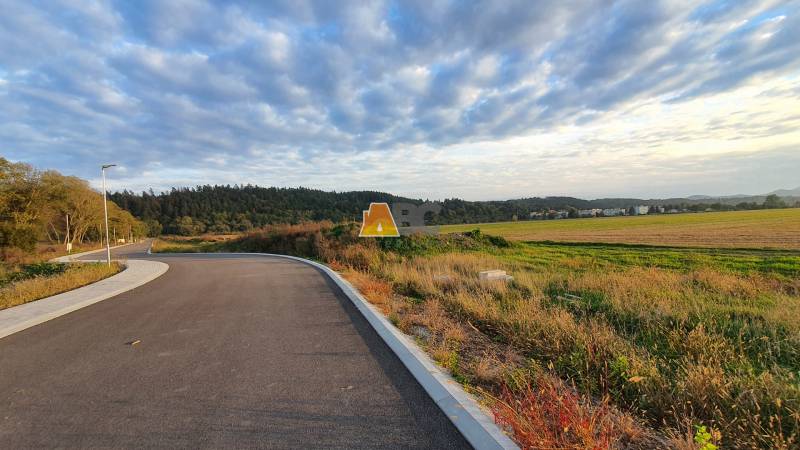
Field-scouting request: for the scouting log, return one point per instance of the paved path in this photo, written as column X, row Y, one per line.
column 235, row 351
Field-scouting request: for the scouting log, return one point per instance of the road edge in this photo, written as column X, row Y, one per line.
column 72, row 256
column 21, row 317
column 463, row 411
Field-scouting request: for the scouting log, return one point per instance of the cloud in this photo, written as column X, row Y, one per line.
column 313, row 92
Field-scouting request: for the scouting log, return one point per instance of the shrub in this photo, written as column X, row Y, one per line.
column 545, row 413
column 69, row 277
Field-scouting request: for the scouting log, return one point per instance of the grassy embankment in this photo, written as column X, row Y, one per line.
column 596, row 345
column 25, row 277
column 28, row 282
column 197, row 244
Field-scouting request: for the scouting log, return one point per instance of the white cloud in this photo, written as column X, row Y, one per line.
column 510, row 100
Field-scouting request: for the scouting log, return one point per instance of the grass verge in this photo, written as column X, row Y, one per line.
column 182, row 244
column 48, row 279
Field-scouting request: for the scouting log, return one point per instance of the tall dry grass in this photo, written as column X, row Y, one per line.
column 641, row 340
column 75, row 276
column 717, row 348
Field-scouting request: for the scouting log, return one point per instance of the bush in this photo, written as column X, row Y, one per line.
column 26, row 271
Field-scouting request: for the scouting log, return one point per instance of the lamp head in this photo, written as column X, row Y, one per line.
column 106, row 166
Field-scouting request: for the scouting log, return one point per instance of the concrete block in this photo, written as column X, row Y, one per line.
column 494, row 275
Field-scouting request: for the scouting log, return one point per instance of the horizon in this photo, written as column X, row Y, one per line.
column 419, row 99
column 688, row 197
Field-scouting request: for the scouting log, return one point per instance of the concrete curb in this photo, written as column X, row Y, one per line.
column 474, row 424
column 136, row 273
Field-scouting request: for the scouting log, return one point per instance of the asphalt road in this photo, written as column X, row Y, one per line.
column 234, row 352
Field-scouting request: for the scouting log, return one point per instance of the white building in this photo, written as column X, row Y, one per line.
column 640, row 210
column 609, row 212
column 594, row 212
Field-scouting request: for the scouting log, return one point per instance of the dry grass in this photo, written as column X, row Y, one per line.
column 44, row 252
column 75, row 276
column 649, row 344
column 552, row 418
column 775, row 228
column 170, row 245
column 717, row 348
column 548, row 414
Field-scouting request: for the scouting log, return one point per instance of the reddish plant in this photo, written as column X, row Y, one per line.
column 549, row 415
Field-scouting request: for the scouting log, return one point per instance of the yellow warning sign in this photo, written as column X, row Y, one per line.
column 378, row 222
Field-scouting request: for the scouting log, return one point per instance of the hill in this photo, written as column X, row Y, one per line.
column 223, row 209
column 787, row 192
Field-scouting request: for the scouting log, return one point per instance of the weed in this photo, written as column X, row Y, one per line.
column 703, row 438
column 547, row 414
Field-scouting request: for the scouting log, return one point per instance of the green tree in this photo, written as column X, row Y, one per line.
column 773, row 202
column 186, row 226
column 22, row 206
column 35, row 205
column 153, row 227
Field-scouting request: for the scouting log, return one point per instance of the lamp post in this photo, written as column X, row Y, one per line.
column 105, row 209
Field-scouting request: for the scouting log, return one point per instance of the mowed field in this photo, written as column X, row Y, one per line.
column 774, row 228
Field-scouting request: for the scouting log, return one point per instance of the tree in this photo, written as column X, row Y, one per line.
column 572, row 212
column 36, row 204
column 22, row 199
column 187, row 227
column 773, row 202
column 153, row 227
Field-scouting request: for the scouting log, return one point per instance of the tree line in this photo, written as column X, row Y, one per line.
column 225, row 209
column 36, row 205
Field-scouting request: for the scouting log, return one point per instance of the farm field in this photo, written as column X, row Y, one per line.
column 774, row 228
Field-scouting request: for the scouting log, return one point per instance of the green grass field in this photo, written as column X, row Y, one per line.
column 774, row 263
column 774, row 228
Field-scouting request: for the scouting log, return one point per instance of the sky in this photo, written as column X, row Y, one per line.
column 429, row 99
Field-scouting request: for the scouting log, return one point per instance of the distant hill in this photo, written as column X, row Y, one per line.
column 224, row 209
column 787, row 192
column 791, row 193
column 709, row 197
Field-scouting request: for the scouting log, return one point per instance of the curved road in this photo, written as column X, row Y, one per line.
column 235, row 351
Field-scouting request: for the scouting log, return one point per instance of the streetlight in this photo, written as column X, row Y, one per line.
column 105, row 209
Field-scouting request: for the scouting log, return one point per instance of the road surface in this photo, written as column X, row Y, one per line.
column 233, row 351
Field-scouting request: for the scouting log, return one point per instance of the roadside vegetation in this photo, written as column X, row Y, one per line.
column 35, row 206
column 207, row 243
column 590, row 345
column 34, row 209
column 29, row 282
column 769, row 228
